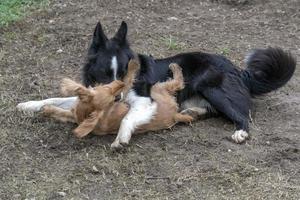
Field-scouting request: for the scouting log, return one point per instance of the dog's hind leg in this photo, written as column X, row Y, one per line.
column 227, row 93
column 36, row 106
column 235, row 107
column 175, row 84
column 58, row 113
column 183, row 118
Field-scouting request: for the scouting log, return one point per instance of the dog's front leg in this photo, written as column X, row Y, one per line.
column 142, row 110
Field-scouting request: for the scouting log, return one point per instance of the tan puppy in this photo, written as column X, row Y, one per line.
column 97, row 112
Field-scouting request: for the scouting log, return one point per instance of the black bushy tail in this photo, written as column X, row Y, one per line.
column 267, row 70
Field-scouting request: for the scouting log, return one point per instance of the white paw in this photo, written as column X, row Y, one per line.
column 124, row 139
column 30, row 106
column 240, row 136
column 116, row 144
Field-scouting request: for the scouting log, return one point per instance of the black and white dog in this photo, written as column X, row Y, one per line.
column 213, row 84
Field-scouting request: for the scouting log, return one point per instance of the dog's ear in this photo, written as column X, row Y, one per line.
column 121, row 34
column 88, row 125
column 68, row 87
column 116, row 87
column 99, row 39
column 85, row 95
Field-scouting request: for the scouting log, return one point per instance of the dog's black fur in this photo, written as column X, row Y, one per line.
column 211, row 76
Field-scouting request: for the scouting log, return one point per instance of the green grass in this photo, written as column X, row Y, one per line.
column 172, row 44
column 13, row 10
column 224, row 51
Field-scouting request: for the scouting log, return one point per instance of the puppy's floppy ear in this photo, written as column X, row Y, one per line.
column 68, row 87
column 116, row 87
column 121, row 34
column 84, row 94
column 88, row 125
column 99, row 39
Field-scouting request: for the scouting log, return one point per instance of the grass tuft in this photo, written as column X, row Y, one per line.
column 224, row 51
column 13, row 10
column 172, row 44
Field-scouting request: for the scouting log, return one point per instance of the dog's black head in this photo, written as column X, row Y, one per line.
column 107, row 58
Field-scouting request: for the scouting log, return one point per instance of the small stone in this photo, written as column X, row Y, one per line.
column 229, row 150
column 268, row 142
column 179, row 183
column 16, row 195
column 95, row 169
column 172, row 18
column 59, row 51
column 62, row 194
column 51, row 21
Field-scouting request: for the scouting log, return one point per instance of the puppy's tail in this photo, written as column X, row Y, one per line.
column 267, row 70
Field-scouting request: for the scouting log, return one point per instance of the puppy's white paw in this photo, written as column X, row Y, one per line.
column 239, row 136
column 30, row 106
column 124, row 140
column 116, row 144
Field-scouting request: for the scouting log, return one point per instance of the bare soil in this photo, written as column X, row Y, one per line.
column 41, row 159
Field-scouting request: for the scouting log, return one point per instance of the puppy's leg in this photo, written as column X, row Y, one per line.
column 142, row 110
column 177, row 83
column 58, row 113
column 198, row 108
column 35, row 106
column 133, row 67
column 183, row 118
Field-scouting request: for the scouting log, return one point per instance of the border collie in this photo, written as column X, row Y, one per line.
column 213, row 84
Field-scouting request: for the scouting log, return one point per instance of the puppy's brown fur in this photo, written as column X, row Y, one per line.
column 97, row 112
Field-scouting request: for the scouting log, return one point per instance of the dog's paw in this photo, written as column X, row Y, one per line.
column 195, row 113
column 78, row 134
column 239, row 136
column 189, row 119
column 30, row 106
column 124, row 143
column 174, row 67
column 124, row 140
column 46, row 110
column 116, row 145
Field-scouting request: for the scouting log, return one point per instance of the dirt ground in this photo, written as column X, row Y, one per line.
column 41, row 159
